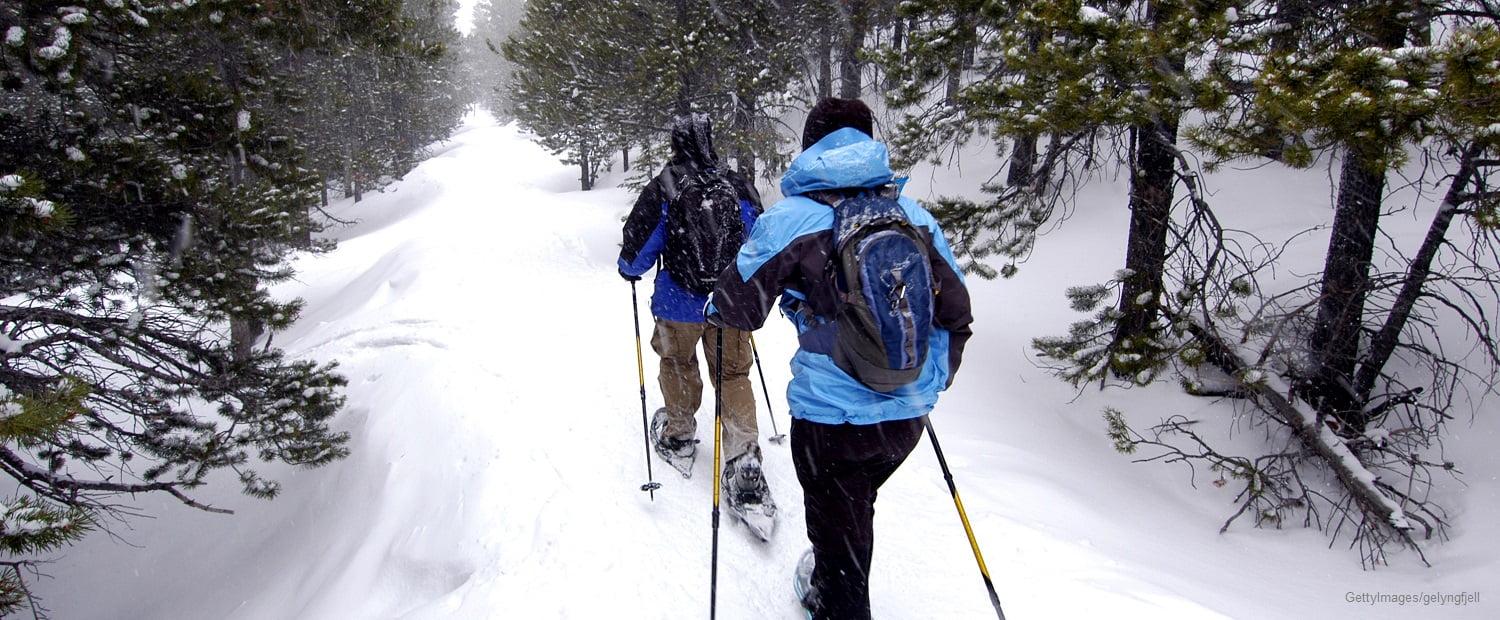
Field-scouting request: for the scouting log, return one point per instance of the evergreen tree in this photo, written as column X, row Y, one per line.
column 1367, row 81
column 1374, row 83
column 157, row 164
column 375, row 88
column 568, row 76
column 494, row 22
column 1074, row 73
column 594, row 78
column 30, row 526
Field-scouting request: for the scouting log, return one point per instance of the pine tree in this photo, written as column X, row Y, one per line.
column 367, row 88
column 30, row 526
column 566, row 80
column 156, row 167
column 1287, row 81
column 1071, row 72
column 628, row 67
column 1365, row 80
column 1374, row 83
column 494, row 22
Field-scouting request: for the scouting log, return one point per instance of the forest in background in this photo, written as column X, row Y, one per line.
column 1352, row 374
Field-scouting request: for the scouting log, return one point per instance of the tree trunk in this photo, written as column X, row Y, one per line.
column 1421, row 23
column 323, row 187
column 685, row 93
column 585, row 180
column 625, row 158
column 1023, row 154
column 1346, row 273
column 1316, row 438
column 963, row 29
column 1289, row 13
column 1151, row 189
column 1152, row 183
column 857, row 22
column 351, row 187
column 1022, row 160
column 898, row 43
column 242, row 336
column 1351, row 246
column 744, row 125
column 825, row 62
column 1384, row 342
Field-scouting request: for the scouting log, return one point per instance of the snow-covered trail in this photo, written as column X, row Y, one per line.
column 497, row 453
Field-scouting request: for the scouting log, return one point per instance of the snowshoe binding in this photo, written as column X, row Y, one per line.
column 677, row 452
column 748, row 497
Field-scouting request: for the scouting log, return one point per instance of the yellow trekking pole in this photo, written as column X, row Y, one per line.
column 962, row 516
column 713, row 579
column 640, row 370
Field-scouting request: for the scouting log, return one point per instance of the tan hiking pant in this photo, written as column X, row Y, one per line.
column 682, row 386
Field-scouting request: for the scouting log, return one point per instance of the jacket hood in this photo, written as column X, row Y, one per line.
column 842, row 159
column 693, row 142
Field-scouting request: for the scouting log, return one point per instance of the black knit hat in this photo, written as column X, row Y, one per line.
column 832, row 114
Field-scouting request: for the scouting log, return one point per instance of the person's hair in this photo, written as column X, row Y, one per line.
column 831, row 114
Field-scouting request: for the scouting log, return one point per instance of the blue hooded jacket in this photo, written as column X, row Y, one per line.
column 787, row 256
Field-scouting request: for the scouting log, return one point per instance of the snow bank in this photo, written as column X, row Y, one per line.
column 497, row 449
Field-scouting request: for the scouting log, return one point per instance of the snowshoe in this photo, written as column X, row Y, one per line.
column 679, row 453
column 748, row 497
column 802, row 583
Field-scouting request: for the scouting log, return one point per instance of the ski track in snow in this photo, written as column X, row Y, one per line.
column 497, row 452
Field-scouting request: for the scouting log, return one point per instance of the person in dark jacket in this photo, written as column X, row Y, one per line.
column 680, row 326
column 847, row 438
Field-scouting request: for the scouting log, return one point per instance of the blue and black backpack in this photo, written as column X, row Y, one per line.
column 883, row 282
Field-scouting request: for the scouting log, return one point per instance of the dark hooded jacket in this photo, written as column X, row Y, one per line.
column 645, row 232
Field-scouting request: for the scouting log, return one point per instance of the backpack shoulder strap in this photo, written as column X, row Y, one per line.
column 671, row 184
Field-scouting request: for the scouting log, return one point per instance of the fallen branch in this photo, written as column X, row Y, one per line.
column 1362, row 486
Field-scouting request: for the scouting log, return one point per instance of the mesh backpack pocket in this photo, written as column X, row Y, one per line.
column 884, row 285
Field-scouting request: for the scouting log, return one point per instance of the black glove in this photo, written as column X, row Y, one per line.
column 629, row 277
column 713, row 317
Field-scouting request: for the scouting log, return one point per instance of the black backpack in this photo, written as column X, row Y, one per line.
column 704, row 229
column 885, row 290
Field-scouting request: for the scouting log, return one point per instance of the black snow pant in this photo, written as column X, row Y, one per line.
column 841, row 467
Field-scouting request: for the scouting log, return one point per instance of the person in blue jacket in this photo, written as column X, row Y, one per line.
column 680, row 328
column 847, row 438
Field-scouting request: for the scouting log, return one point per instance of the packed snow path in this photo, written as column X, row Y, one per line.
column 497, row 455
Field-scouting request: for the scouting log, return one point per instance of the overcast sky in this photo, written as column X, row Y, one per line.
column 465, row 16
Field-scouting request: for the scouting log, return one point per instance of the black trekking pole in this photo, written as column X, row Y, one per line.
column 640, row 370
column 713, row 579
column 776, row 436
column 973, row 543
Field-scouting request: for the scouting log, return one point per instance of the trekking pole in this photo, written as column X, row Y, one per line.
column 713, row 579
column 776, row 436
column 640, row 370
column 973, row 543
